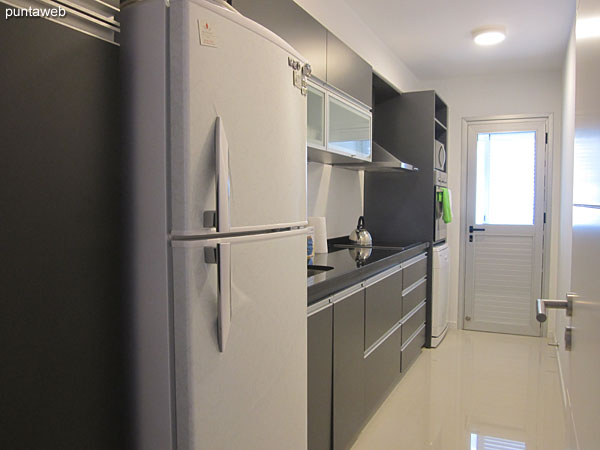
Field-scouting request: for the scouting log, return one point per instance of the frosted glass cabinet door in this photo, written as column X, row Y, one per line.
column 349, row 129
column 316, row 118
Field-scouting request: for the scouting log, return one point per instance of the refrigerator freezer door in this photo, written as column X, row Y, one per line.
column 244, row 78
column 253, row 394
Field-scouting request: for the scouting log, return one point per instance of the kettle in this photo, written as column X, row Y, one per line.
column 360, row 255
column 361, row 236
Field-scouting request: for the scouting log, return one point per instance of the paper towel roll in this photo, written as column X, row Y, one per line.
column 320, row 226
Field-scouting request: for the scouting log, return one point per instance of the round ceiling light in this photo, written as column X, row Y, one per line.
column 489, row 35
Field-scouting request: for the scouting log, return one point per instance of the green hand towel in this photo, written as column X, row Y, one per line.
column 446, row 206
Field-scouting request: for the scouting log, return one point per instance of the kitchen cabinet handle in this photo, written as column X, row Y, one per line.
column 414, row 260
column 223, row 178
column 224, row 294
column 381, row 276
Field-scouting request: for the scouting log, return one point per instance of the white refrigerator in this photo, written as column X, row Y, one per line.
column 216, row 126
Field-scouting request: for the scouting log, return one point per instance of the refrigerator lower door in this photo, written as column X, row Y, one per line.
column 251, row 393
column 236, row 106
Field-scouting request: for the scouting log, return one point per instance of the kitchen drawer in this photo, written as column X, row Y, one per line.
column 411, row 350
column 382, row 367
column 413, row 323
column 414, row 270
column 410, row 299
column 383, row 306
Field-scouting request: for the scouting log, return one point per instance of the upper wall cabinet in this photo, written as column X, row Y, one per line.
column 339, row 128
column 287, row 20
column 331, row 60
column 349, row 72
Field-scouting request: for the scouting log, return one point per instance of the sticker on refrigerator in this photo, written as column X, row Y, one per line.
column 207, row 34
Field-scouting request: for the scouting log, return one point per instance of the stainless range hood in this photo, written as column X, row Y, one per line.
column 382, row 161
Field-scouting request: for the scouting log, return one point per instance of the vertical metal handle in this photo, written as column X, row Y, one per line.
column 223, row 178
column 224, row 294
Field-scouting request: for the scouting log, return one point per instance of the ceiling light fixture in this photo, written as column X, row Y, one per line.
column 489, row 35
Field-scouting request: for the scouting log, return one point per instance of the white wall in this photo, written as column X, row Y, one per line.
column 337, row 193
column 506, row 94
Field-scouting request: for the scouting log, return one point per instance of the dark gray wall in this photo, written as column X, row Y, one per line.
column 63, row 376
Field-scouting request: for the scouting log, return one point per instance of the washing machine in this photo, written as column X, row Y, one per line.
column 439, row 295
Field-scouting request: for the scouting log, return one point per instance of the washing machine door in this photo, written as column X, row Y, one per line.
column 440, row 294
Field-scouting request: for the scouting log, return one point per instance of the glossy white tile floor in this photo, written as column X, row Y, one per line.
column 475, row 391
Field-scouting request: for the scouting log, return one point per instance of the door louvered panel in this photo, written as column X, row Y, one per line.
column 502, row 279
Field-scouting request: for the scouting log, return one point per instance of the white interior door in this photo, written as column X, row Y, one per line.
column 505, row 220
column 251, row 394
column 244, row 78
column 583, row 361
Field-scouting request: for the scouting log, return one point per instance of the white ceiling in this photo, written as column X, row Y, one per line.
column 433, row 37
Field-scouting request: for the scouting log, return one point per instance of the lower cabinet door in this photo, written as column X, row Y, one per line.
column 348, row 370
column 382, row 371
column 320, row 354
column 383, row 307
column 413, row 323
column 412, row 350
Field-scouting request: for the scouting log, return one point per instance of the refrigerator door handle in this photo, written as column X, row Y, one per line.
column 224, row 294
column 223, row 178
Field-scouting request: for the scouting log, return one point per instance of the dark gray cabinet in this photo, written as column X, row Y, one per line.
column 382, row 368
column 414, row 271
column 359, row 344
column 294, row 25
column 320, row 364
column 348, row 72
column 348, row 369
column 411, row 350
column 413, row 323
column 383, row 306
column 413, row 296
column 400, row 207
column 331, row 60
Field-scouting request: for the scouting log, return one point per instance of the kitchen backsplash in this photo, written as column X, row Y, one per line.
column 336, row 194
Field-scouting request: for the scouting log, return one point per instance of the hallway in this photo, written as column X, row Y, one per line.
column 476, row 391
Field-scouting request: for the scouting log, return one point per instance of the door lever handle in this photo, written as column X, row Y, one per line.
column 543, row 303
column 471, row 229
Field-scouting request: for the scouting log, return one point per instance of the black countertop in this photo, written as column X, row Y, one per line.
column 347, row 272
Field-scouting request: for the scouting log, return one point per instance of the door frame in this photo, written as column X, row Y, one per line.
column 546, row 237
